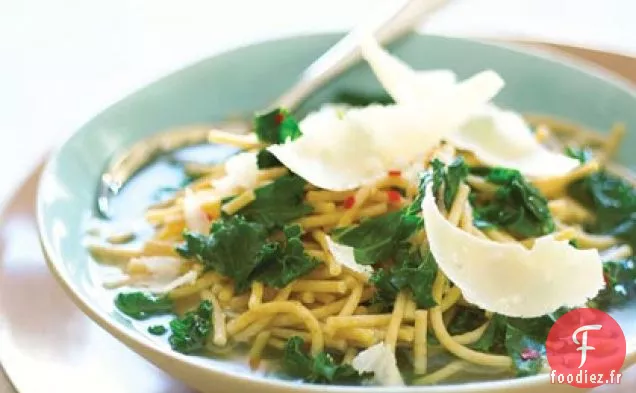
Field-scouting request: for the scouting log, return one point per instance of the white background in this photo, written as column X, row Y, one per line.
column 62, row 61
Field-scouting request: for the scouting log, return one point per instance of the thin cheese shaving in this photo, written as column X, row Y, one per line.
column 404, row 84
column 344, row 255
column 380, row 360
column 195, row 218
column 162, row 274
column 241, row 172
column 503, row 138
column 506, row 277
column 495, row 136
column 187, row 279
column 343, row 151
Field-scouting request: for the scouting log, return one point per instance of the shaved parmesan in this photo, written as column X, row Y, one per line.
column 380, row 360
column 196, row 219
column 342, row 151
column 506, row 277
column 241, row 172
column 163, row 274
column 333, row 153
column 187, row 279
column 404, row 84
column 344, row 256
column 503, row 138
column 495, row 136
column 159, row 268
column 423, row 88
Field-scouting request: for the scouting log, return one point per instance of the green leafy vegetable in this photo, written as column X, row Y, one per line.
column 517, row 205
column 276, row 126
column 613, row 200
column 240, row 250
column 466, row 319
column 520, row 338
column 379, row 238
column 444, row 178
column 583, row 155
column 494, row 335
column 141, row 305
column 157, row 330
column 190, row 332
column 412, row 271
column 265, row 159
column 278, row 202
column 449, row 177
column 232, row 248
column 358, row 98
column 528, row 354
column 620, row 277
column 281, row 264
column 319, row 369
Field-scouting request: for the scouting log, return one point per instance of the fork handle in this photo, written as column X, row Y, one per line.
column 387, row 25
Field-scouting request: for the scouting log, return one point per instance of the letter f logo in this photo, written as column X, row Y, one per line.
column 584, row 347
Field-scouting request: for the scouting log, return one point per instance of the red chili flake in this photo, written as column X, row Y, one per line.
column 394, row 196
column 209, row 216
column 530, row 354
column 395, row 173
column 279, row 118
column 349, row 202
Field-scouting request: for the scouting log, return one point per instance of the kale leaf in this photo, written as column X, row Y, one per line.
column 527, row 353
column 232, row 248
column 517, row 205
column 620, row 277
column 613, row 200
column 493, row 337
column 276, row 126
column 319, row 369
column 278, row 202
column 583, row 155
column 450, row 177
column 265, row 159
column 240, row 250
column 411, row 271
column 157, row 330
column 190, row 332
column 141, row 305
column 520, row 338
column 281, row 264
column 378, row 239
column 466, row 319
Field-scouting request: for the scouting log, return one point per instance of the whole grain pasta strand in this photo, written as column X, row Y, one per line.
column 352, row 301
column 396, row 320
column 420, row 360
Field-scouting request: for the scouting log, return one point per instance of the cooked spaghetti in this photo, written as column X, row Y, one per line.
column 261, row 261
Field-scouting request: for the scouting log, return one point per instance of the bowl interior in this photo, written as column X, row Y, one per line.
column 246, row 79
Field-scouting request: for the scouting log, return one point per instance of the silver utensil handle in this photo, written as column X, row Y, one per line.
column 387, row 25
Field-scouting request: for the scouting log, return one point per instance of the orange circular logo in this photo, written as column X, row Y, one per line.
column 586, row 348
